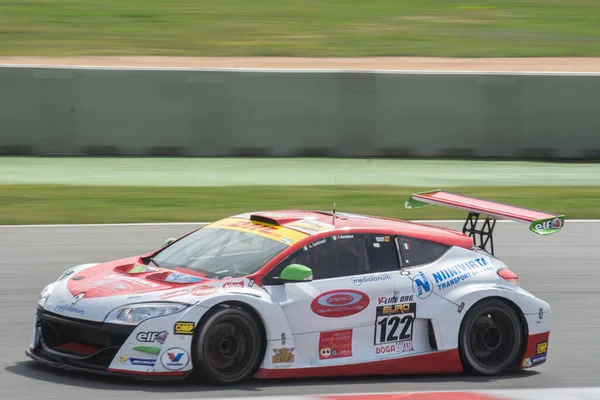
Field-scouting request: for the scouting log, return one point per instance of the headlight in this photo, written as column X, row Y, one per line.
column 133, row 314
column 46, row 293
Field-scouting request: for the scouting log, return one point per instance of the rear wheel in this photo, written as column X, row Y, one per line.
column 228, row 347
column 491, row 338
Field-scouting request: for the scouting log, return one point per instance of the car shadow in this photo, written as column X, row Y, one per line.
column 39, row 372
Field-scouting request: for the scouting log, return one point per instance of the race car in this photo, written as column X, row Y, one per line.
column 295, row 293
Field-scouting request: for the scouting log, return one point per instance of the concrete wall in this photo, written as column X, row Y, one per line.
column 55, row 111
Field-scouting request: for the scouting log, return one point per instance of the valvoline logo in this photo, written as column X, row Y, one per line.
column 175, row 359
column 340, row 303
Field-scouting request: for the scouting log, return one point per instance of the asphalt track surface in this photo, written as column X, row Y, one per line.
column 561, row 268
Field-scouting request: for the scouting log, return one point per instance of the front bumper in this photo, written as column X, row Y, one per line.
column 107, row 372
column 79, row 345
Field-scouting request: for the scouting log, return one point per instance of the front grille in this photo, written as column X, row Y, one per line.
column 78, row 342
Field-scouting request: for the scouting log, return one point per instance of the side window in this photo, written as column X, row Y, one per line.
column 383, row 254
column 418, row 251
column 333, row 257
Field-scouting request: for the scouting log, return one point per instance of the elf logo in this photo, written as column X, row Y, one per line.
column 547, row 225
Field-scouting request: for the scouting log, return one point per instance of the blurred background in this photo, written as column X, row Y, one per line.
column 158, row 111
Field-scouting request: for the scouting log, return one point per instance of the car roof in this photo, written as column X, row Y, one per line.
column 348, row 222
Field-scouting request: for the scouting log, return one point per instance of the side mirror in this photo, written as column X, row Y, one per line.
column 168, row 242
column 296, row 273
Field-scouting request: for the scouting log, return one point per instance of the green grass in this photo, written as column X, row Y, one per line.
column 337, row 28
column 32, row 204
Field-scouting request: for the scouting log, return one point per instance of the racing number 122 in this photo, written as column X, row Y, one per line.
column 394, row 323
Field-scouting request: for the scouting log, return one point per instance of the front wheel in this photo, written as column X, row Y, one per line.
column 228, row 347
column 491, row 338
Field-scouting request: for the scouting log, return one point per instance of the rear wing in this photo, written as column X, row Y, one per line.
column 540, row 222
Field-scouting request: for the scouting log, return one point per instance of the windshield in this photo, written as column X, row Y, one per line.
column 220, row 252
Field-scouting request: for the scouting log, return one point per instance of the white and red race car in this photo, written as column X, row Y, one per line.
column 303, row 294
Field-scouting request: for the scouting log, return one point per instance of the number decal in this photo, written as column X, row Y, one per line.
column 394, row 323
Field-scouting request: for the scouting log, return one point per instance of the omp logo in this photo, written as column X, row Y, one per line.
column 184, row 328
column 541, row 348
column 422, row 286
column 340, row 303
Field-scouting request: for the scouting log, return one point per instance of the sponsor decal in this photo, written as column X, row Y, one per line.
column 159, row 337
column 382, row 239
column 314, row 244
column 141, row 268
column 108, row 285
column 175, row 359
column 541, row 348
column 178, row 277
column 271, row 214
column 283, row 355
column 184, row 328
column 179, row 292
column 530, row 362
column 139, row 281
column 394, row 323
column 310, row 226
column 339, row 303
column 147, row 349
column 233, row 285
column 67, row 308
column 270, row 231
column 394, row 299
column 395, row 348
column 422, row 286
column 359, row 280
column 335, row 344
column 549, row 225
column 447, row 277
column 137, row 361
column 77, row 298
column 203, row 290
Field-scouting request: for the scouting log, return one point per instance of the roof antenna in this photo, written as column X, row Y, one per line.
column 334, row 187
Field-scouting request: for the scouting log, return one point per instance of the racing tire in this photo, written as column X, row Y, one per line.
column 228, row 348
column 491, row 338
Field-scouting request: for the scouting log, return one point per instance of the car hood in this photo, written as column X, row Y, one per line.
column 93, row 292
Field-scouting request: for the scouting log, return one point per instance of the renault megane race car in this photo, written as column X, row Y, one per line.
column 303, row 294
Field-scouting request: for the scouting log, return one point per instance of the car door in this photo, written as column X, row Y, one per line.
column 332, row 316
column 414, row 299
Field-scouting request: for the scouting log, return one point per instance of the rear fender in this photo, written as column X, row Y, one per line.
column 461, row 299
